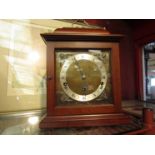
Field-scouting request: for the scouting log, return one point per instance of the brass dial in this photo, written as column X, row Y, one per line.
column 83, row 77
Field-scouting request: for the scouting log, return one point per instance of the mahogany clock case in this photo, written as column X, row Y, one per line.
column 77, row 114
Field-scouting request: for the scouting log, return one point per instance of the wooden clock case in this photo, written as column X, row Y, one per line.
column 78, row 116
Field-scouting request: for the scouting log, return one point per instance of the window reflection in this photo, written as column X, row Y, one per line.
column 149, row 61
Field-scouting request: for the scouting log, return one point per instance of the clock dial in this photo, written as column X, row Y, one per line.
column 83, row 76
column 77, row 77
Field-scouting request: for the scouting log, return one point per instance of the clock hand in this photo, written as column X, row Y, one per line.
column 83, row 76
column 85, row 88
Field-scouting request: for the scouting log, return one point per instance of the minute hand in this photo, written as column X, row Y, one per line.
column 83, row 76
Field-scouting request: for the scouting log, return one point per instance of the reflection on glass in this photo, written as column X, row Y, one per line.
column 33, row 120
column 26, row 72
column 33, row 57
column 149, row 62
column 153, row 82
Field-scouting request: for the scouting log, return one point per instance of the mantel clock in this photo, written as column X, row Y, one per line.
column 83, row 78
